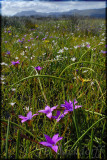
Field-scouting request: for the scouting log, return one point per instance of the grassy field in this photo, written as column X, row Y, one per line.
column 71, row 53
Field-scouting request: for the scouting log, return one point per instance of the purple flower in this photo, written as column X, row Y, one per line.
column 37, row 37
column 8, row 52
column 43, row 38
column 51, row 142
column 20, row 41
column 5, row 41
column 48, row 111
column 38, row 68
column 29, row 117
column 69, row 106
column 88, row 46
column 9, row 31
column 50, row 37
column 103, row 52
column 14, row 63
column 59, row 116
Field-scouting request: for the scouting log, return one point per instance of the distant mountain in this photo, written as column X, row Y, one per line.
column 99, row 13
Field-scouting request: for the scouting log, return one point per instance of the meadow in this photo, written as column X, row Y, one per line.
column 57, row 67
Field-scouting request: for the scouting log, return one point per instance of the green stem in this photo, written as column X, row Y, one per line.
column 78, row 63
column 46, row 76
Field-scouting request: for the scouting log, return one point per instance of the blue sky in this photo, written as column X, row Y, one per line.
column 52, row 0
column 12, row 7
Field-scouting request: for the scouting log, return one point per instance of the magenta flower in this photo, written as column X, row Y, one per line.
column 51, row 142
column 29, row 117
column 8, row 52
column 38, row 68
column 88, row 46
column 14, row 63
column 59, row 116
column 48, row 111
column 69, row 106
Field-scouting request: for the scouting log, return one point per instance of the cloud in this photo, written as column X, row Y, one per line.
column 12, row 7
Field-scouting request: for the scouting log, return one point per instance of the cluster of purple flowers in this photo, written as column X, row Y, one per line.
column 51, row 142
column 15, row 63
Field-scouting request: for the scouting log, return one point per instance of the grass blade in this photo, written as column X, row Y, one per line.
column 17, row 144
column 7, row 140
column 84, row 133
column 91, row 144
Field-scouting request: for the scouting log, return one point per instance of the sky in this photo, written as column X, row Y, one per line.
column 9, row 8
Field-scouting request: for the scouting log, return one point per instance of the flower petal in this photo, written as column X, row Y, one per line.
column 29, row 115
column 55, row 137
column 66, row 111
column 24, row 120
column 77, row 107
column 58, row 139
column 42, row 111
column 49, row 140
column 35, row 115
column 55, row 148
column 46, row 144
column 47, row 108
column 62, row 105
column 49, row 115
column 22, row 117
column 53, row 108
column 58, row 113
column 75, row 101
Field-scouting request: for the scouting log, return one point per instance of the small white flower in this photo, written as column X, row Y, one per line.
column 87, row 43
column 3, row 63
column 83, row 45
column 2, row 78
column 12, row 103
column 27, row 108
column 16, row 58
column 75, row 47
column 23, row 53
column 92, row 83
column 61, row 51
column 74, row 78
column 13, row 89
column 44, row 54
column 73, row 59
column 3, row 82
column 66, row 48
column 85, row 71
